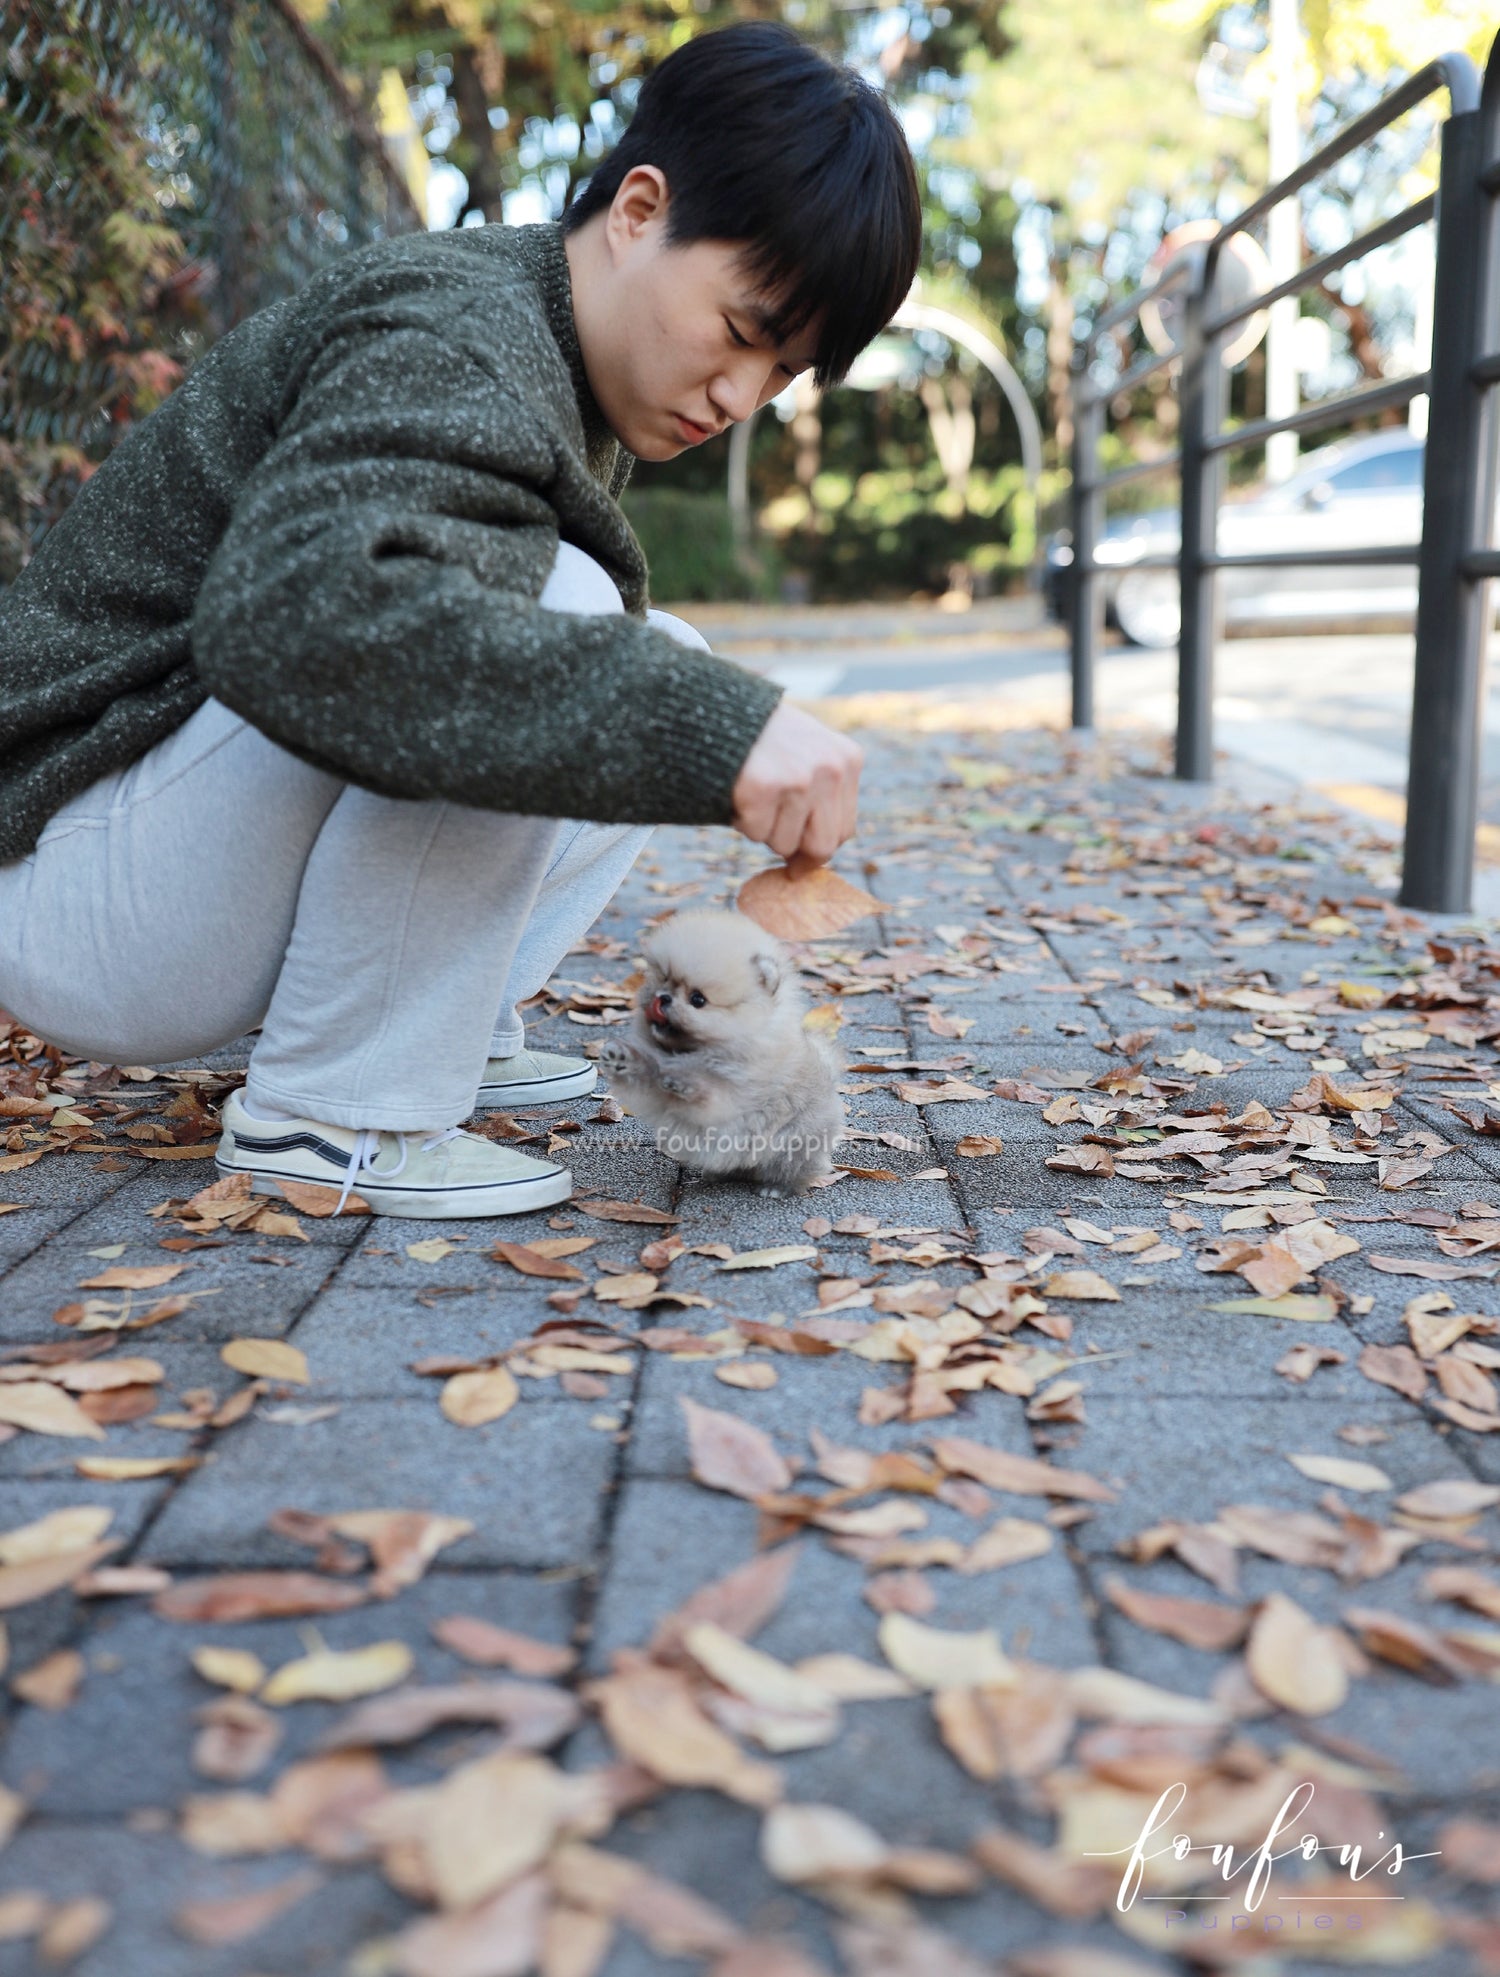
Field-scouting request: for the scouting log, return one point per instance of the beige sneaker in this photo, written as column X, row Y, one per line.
column 430, row 1176
column 534, row 1077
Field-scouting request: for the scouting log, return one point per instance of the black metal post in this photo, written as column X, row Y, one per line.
column 1088, row 521
column 1202, row 399
column 1453, row 611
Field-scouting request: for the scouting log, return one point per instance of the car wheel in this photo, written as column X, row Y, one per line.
column 1148, row 608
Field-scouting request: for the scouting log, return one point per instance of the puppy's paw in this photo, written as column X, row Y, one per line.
column 613, row 1058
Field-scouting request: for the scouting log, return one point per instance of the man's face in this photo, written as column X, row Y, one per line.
column 674, row 338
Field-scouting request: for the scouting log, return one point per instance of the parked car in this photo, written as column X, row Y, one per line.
column 1358, row 492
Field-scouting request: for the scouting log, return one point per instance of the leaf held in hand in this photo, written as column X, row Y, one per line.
column 813, row 903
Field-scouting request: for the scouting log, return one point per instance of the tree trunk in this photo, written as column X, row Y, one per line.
column 1060, row 356
column 950, row 413
column 471, row 99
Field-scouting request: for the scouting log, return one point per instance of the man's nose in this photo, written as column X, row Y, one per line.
column 740, row 392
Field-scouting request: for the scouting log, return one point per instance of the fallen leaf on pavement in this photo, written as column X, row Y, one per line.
column 1294, row 1661
column 231, row 1918
column 230, row 1668
column 935, row 1658
column 733, row 1455
column 1343, row 1473
column 489, row 1646
column 44, row 1409
column 469, row 1400
column 53, row 1682
column 1199, row 1623
column 267, row 1359
column 230, row 1596
column 133, row 1277
column 338, row 1675
column 652, row 1718
column 1021, row 1475
column 1083, row 1284
column 768, row 1259
column 533, row 1715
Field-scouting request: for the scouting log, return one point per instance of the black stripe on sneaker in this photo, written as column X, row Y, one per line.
column 288, row 1142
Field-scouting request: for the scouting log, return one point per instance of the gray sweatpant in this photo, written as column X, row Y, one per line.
column 220, row 882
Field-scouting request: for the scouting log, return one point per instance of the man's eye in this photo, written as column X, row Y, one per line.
column 742, row 341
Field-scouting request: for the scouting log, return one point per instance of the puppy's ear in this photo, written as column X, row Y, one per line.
column 767, row 971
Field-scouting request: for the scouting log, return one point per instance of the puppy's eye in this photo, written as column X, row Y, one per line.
column 698, row 999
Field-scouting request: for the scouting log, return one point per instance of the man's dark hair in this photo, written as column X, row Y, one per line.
column 764, row 141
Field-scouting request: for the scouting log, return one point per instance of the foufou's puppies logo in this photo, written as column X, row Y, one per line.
column 1154, row 1841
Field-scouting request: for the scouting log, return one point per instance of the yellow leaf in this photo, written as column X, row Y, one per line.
column 471, row 1399
column 132, row 1468
column 266, row 1359
column 329, row 1675
column 432, row 1249
column 1086, row 1284
column 230, row 1668
column 1361, row 995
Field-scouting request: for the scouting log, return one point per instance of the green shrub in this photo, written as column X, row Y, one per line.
column 690, row 550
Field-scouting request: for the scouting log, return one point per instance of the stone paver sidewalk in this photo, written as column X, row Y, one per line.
column 1128, row 972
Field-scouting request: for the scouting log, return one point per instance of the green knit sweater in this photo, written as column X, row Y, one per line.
column 339, row 526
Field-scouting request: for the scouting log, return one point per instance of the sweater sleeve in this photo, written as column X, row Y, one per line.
column 372, row 606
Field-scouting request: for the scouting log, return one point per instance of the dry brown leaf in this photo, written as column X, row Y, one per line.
column 533, row 1262
column 810, row 1843
column 741, row 1602
column 1020, row 1732
column 1294, row 1661
column 575, row 1943
column 533, row 1715
column 231, row 1918
column 134, row 1468
column 267, row 1359
column 470, row 1400
column 1341, row 1471
column 733, row 1455
column 489, row 1646
column 1407, row 1643
column 1083, row 1284
column 1021, row 1475
column 801, row 901
column 1199, row 1623
column 499, row 1937
column 670, row 1919
column 1449, row 1496
column 652, row 1718
column 936, row 1658
column 35, row 1578
column 231, row 1596
column 623, row 1211
column 45, row 1409
column 1072, row 1888
column 751, row 1375
column 312, row 1198
column 236, row 1739
column 1394, row 1366
column 230, row 1824
column 133, row 1277
column 53, row 1682
column 1009, row 1541
column 74, row 1926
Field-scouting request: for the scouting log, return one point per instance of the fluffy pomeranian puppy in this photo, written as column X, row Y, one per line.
column 716, row 1060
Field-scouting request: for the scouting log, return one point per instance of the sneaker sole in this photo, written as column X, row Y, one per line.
column 542, row 1091
column 446, row 1204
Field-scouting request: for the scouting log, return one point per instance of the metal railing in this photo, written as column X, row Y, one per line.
column 1455, row 560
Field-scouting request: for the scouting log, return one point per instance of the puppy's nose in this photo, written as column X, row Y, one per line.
column 657, row 1007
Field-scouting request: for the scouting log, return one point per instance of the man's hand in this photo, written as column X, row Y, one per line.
column 798, row 790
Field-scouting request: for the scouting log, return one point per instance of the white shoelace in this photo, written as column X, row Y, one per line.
column 367, row 1147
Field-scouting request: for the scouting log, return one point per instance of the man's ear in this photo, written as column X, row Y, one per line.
column 767, row 971
column 640, row 202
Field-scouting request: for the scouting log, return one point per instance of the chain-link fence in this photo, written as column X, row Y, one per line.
column 166, row 168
